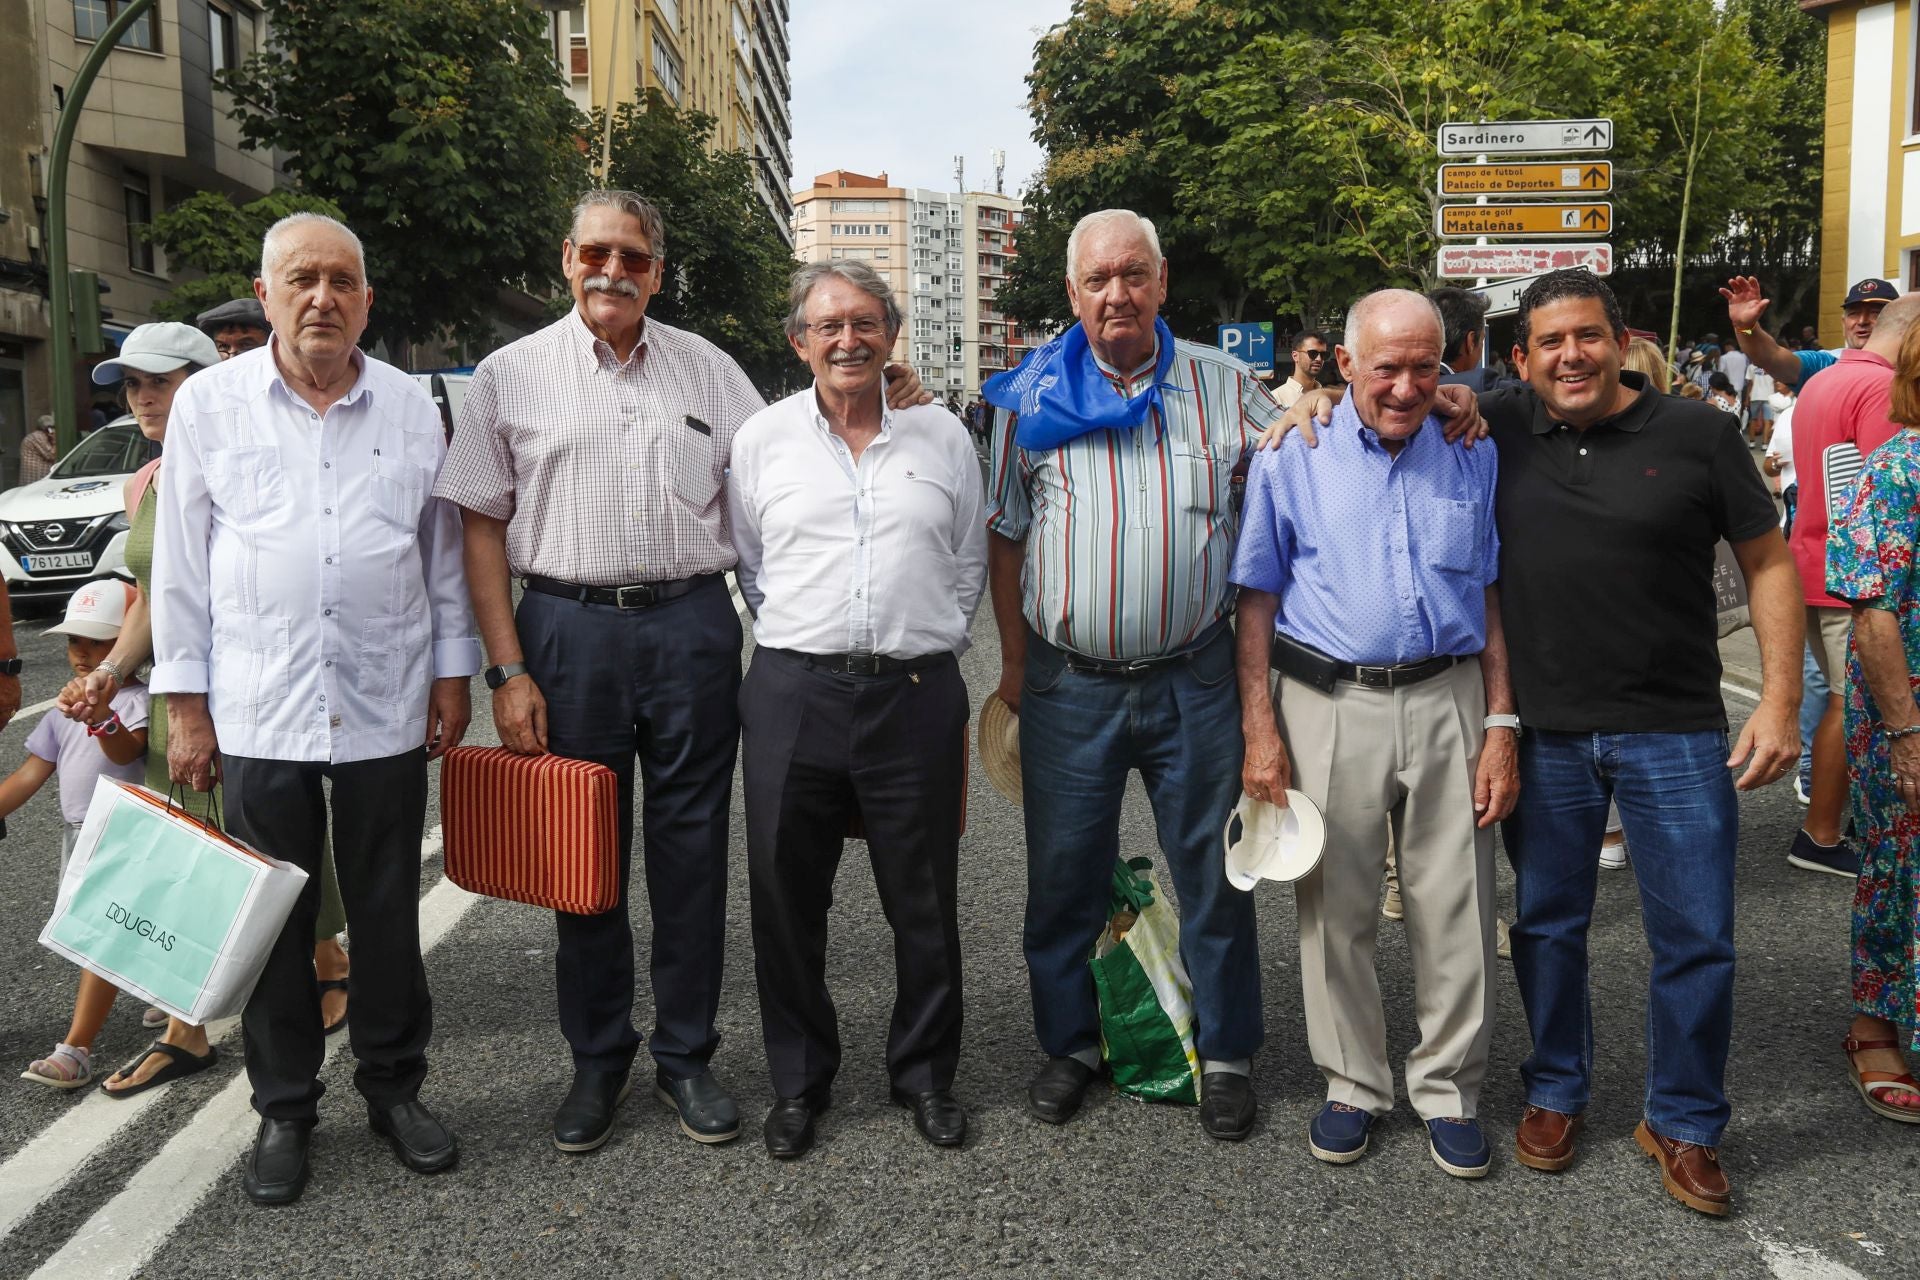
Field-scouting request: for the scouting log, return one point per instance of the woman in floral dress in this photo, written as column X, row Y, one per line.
column 1870, row 562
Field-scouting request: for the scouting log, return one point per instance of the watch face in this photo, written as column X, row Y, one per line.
column 494, row 680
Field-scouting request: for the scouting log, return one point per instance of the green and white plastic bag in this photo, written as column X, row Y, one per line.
column 1146, row 999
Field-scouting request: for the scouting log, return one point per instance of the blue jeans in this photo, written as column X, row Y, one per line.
column 1676, row 799
column 1813, row 705
column 1080, row 735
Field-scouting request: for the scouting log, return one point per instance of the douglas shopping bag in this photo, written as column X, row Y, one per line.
column 1146, row 1000
column 168, row 908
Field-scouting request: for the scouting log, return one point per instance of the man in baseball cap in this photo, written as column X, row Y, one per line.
column 1859, row 310
column 157, row 348
column 237, row 326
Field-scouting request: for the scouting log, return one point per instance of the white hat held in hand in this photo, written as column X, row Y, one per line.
column 1265, row 842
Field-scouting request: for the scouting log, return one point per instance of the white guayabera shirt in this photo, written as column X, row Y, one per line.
column 304, row 578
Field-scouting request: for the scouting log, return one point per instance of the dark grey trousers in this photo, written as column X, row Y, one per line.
column 818, row 749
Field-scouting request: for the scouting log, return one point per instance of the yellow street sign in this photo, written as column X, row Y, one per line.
column 1525, row 220
column 1591, row 177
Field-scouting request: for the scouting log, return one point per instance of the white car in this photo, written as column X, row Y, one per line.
column 57, row 533
column 446, row 389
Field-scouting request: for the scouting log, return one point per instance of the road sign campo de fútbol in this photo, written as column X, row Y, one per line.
column 1589, row 177
column 1559, row 220
column 1466, row 261
column 1525, row 137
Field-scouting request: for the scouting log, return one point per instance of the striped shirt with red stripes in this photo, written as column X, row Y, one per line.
column 1129, row 534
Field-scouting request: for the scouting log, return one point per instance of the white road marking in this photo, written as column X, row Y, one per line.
column 1740, row 691
column 1798, row 1261
column 44, row 1166
column 35, row 709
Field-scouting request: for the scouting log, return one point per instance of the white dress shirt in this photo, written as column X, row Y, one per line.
column 887, row 555
column 302, row 576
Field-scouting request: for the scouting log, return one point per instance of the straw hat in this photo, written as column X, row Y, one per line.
column 1000, row 747
column 1266, row 842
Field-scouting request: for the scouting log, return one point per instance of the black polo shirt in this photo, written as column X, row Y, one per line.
column 1607, row 543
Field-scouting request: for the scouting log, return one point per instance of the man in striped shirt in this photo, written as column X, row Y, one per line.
column 1111, row 538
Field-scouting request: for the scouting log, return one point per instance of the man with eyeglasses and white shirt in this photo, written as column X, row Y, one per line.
column 591, row 462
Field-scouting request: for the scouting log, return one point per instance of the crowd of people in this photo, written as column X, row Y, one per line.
column 321, row 574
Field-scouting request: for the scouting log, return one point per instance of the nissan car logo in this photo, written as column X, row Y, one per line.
column 54, row 532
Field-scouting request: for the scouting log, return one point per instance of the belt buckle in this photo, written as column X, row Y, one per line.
column 1138, row 666
column 863, row 664
column 1373, row 677
column 642, row 596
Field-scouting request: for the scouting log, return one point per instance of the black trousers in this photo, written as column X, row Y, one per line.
column 659, row 685
column 379, row 811
column 820, row 748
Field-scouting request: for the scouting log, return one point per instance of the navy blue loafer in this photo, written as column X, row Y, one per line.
column 1459, row 1147
column 1338, row 1134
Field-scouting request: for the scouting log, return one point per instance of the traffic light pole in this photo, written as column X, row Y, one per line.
column 59, row 297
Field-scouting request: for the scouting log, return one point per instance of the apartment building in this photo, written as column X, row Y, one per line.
column 944, row 252
column 154, row 131
column 1870, row 219
column 725, row 58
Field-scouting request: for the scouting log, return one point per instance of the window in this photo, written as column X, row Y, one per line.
column 666, row 69
column 883, row 253
column 670, row 11
column 90, row 19
column 222, row 38
column 860, row 206
column 137, row 199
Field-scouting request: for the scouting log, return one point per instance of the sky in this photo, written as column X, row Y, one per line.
column 907, row 85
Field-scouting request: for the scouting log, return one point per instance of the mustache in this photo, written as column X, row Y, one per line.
column 607, row 284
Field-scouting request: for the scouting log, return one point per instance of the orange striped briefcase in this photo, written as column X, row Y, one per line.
column 534, row 829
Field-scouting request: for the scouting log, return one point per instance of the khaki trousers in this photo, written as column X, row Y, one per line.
column 1395, row 764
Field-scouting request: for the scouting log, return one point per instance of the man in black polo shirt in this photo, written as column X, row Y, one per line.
column 1610, row 502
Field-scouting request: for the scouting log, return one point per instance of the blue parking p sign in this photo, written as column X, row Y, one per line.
column 1252, row 342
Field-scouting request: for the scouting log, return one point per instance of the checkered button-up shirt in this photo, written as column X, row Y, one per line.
column 607, row 472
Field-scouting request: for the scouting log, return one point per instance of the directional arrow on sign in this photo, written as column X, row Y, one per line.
column 1524, row 137
column 1524, row 220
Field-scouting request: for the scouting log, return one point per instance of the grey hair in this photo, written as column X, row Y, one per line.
column 631, row 203
column 1106, row 218
column 1363, row 309
column 271, row 251
column 858, row 274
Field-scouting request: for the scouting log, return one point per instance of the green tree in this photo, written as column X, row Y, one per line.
column 442, row 133
column 210, row 234
column 727, row 265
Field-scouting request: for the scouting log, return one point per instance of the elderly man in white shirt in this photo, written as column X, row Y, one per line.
column 310, row 623
column 862, row 541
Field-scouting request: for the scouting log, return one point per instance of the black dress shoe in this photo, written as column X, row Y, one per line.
column 423, row 1144
column 277, row 1169
column 706, row 1113
column 1056, row 1093
column 789, row 1127
column 1226, row 1105
column 585, row 1118
column 940, row 1118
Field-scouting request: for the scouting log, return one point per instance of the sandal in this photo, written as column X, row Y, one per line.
column 67, row 1067
column 326, row 985
column 181, row 1064
column 154, row 1018
column 1873, row 1083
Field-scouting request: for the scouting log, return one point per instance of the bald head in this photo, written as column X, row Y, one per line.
column 1895, row 319
column 1390, row 356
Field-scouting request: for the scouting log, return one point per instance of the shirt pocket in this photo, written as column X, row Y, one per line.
column 399, row 490
column 393, row 661
column 246, row 480
column 1197, row 477
column 693, row 466
column 252, row 663
column 1450, row 531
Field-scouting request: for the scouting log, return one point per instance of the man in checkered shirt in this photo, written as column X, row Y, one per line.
column 591, row 459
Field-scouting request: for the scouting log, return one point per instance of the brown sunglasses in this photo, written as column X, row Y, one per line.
column 596, row 255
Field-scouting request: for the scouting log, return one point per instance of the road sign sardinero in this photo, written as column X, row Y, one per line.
column 1525, row 137
column 1566, row 220
column 1586, row 177
column 1465, row 261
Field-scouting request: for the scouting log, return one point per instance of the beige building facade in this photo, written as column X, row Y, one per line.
column 153, row 132
column 725, row 58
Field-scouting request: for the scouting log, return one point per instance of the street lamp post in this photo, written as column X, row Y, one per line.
column 59, row 300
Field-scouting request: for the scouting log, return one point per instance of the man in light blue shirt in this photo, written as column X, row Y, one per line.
column 1367, row 573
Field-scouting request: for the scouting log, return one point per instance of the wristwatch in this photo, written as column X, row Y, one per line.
column 11, row 667
column 1503, row 722
column 497, row 676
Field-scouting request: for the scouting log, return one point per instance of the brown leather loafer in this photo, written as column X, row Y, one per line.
column 1545, row 1138
column 1691, row 1174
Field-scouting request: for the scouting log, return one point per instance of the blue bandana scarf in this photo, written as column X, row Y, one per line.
column 1061, row 394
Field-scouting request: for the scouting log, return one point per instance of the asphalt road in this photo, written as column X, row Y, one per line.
column 91, row 1187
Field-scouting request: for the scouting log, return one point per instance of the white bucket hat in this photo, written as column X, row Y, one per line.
column 158, row 348
column 1273, row 843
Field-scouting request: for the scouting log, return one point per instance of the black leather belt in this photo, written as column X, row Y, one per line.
column 1127, row 668
column 640, row 595
column 864, row 664
column 1309, row 666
